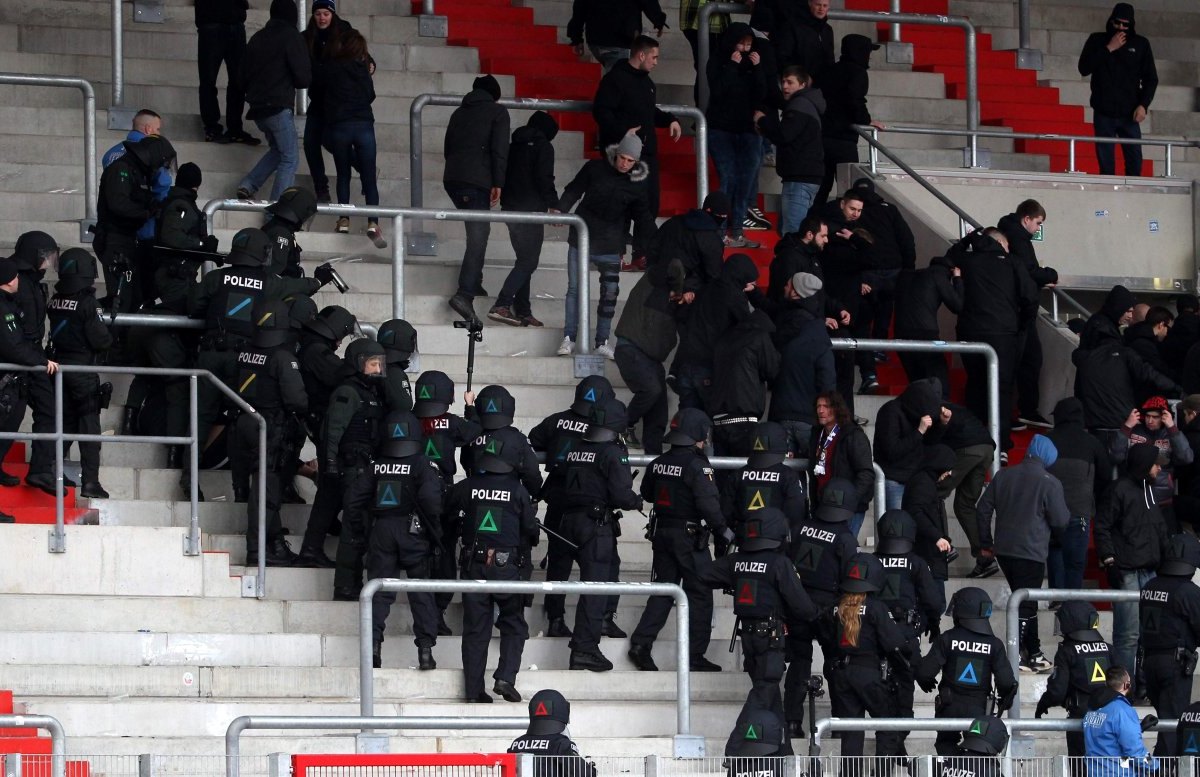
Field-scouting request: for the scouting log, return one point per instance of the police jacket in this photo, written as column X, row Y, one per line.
column 680, row 485
column 567, row 763
column 608, row 23
column 746, row 362
column 909, row 591
column 31, row 299
column 285, row 251
column 1111, row 728
column 969, row 663
column 1170, row 614
column 596, row 476
column 406, row 486
column 1079, row 671
column 819, row 551
column 851, row 460
column 695, row 239
column 527, row 469
column 226, row 297
column 626, row 98
column 1020, row 247
column 126, row 197
column 1122, row 79
column 1080, row 457
column 878, row 635
column 763, row 583
column 14, row 348
column 1129, row 526
column 322, row 370
column 919, row 295
column 444, row 435
column 351, row 429
column 182, row 224
column 269, row 379
column 754, row 488
column 76, row 331
column 610, row 199
column 1108, row 376
column 476, row 145
column 1187, row 735
column 799, row 155
column 898, row 444
column 555, row 437
column 967, row 764
column 494, row 510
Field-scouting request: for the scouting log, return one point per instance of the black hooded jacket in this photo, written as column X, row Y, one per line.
column 221, row 11
column 919, row 295
column 748, row 362
column 806, row 368
column 1080, row 457
column 1122, row 79
column 797, row 137
column 802, row 39
column 611, row 22
column 846, row 86
column 529, row 172
column 276, row 64
column 627, row 98
column 695, row 239
column 476, row 144
column 793, row 255
column 611, row 199
column 898, row 445
column 1140, row 338
column 719, row 307
column 1020, row 247
column 735, row 89
column 998, row 296
column 1108, row 376
column 1129, row 525
column 894, row 247
column 1105, row 323
column 927, row 508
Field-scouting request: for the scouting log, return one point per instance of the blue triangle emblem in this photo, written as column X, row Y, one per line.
column 398, row 432
column 590, row 396
column 388, row 498
column 968, row 675
column 1190, row 747
column 491, row 407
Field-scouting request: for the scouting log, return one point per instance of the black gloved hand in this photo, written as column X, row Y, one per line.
column 1043, row 706
column 935, row 629
column 209, row 244
column 1005, row 702
column 324, row 274
column 723, row 541
column 1149, row 722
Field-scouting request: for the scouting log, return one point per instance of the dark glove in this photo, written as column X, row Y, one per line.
column 723, row 541
column 1043, row 706
column 926, row 684
column 935, row 629
column 324, row 273
column 209, row 244
column 1149, row 722
column 1006, row 701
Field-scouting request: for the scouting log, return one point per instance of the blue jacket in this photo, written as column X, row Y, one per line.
column 162, row 184
column 1111, row 728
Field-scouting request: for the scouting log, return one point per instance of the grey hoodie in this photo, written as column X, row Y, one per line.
column 1029, row 506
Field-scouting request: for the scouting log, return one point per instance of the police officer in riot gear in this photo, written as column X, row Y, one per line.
column 680, row 485
column 910, row 592
column 494, row 410
column 348, row 441
column 497, row 520
column 407, row 536
column 77, row 336
column 766, row 593
column 549, row 714
column 295, row 207
column 1170, row 619
column 596, row 482
column 971, row 660
column 754, row 745
column 1080, row 668
column 765, row 481
column 444, row 433
column 399, row 339
column 269, row 380
column 978, row 755
column 181, row 225
column 869, row 645
column 555, row 437
column 1187, row 735
column 820, row 549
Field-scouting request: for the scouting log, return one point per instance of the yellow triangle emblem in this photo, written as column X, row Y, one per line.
column 1098, row 675
column 756, row 501
column 758, row 444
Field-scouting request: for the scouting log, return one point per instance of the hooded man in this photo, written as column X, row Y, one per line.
column 1030, row 509
column 903, row 427
column 694, row 238
column 1081, row 458
column 802, row 36
column 924, row 503
column 799, row 155
column 476, row 151
column 1124, row 80
column 845, row 87
column 528, row 186
column 737, row 397
column 919, row 296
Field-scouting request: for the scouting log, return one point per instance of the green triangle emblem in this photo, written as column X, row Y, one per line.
column 425, row 393
column 751, row 732
column 976, row 728
column 492, row 447
column 488, row 523
column 432, row 452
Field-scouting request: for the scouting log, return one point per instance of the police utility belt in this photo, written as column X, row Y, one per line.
column 598, row 513
column 1186, row 659
column 865, row 662
column 758, row 627
column 415, row 527
column 480, row 553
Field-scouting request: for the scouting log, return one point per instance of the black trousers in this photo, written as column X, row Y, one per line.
column 595, row 557
column 918, row 366
column 1024, row 573
column 326, row 506
column 675, row 562
column 478, row 619
column 1029, row 371
column 120, row 263
column 955, row 705
column 210, row 402
column 81, row 415
column 393, row 549
column 358, row 487
column 843, row 365
column 470, row 273
column 1169, row 690
column 218, row 44
column 647, row 379
column 799, row 654
column 243, row 462
column 12, row 409
column 559, row 560
column 39, row 394
column 526, row 242
column 1008, row 349
column 856, row 690
column 763, row 661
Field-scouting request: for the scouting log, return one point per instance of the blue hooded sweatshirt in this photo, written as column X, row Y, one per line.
column 1112, row 737
column 162, row 182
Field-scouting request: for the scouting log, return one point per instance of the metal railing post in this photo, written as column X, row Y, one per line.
column 58, row 539
column 583, row 337
column 58, row 742
column 416, row 166
column 427, row 7
column 1023, row 35
column 972, row 89
column 1071, row 168
column 260, row 587
column 301, row 24
column 192, row 546
column 399, row 249
column 873, row 151
column 1169, row 172
column 118, row 55
column 894, row 29
column 993, row 419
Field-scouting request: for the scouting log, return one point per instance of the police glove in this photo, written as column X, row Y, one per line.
column 1043, row 706
column 1006, row 701
column 723, row 541
column 1149, row 722
column 209, row 244
column 935, row 629
column 926, row 685
column 325, row 274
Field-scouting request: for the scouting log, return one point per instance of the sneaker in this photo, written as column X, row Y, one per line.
column 740, row 241
column 606, row 350
column 463, row 307
column 323, row 195
column 376, row 236
column 1018, row 426
column 504, row 316
column 1036, row 663
column 245, row 138
column 755, row 220
column 984, row 567
column 343, row 225
column 635, row 264
column 860, row 421
column 1034, row 419
column 566, row 347
column 529, row 320
column 1004, row 458
column 244, row 194
column 215, row 136
column 869, row 384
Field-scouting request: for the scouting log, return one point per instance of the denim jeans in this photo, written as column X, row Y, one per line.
column 354, row 142
column 796, row 199
column 217, row 44
column 470, row 274
column 691, row 383
column 1114, row 127
column 1125, row 618
column 737, row 157
column 609, row 266
column 608, row 56
column 1068, row 558
column 281, row 158
column 893, row 494
column 855, row 523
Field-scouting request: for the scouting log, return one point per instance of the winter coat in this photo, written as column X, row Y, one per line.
column 898, row 445
column 1106, row 379
column 1187, row 501
column 718, row 307
column 1080, row 457
column 965, row 429
column 846, row 85
column 321, row 44
column 1140, row 338
column 1112, row 732
column 529, row 172
column 1129, row 526
column 806, row 368
column 1105, row 323
column 919, row 295
column 845, row 260
column 928, row 509
column 1028, row 503
column 802, row 39
column 275, row 64
column 695, row 239
column 161, row 185
column 748, row 361
column 349, row 91
column 735, row 89
column 1122, row 79
column 612, row 23
column 797, row 137
column 851, row 460
column 793, row 256
column 1020, row 247
column 648, row 319
column 894, row 247
column 627, row 98
column 476, row 145
column 998, row 296
column 1171, row 442
column 1182, row 335
column 221, row 11
column 610, row 199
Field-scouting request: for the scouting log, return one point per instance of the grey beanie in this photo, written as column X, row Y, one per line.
column 806, row 284
column 631, row 146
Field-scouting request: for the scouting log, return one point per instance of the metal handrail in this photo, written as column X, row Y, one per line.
column 415, row 124
column 683, row 696
column 1071, row 140
column 58, row 738
column 89, row 137
column 118, row 55
column 1012, row 617
column 972, row 59
column 1057, row 293
column 233, row 734
column 399, row 245
column 58, row 437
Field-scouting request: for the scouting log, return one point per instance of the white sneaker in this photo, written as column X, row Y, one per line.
column 606, row 350
column 566, row 347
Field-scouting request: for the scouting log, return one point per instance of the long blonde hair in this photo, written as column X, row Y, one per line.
column 850, row 615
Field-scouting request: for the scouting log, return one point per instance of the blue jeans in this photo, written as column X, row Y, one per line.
column 737, row 157
column 281, row 158
column 855, row 523
column 1125, row 618
column 1113, row 127
column 893, row 495
column 691, row 383
column 796, row 199
column 353, row 142
column 1067, row 559
column 609, row 266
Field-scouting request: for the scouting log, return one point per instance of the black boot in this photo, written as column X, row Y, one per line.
column 291, row 496
column 129, row 421
column 425, row 660
column 592, row 660
column 279, row 553
column 558, row 628
column 610, row 628
column 314, row 558
column 641, row 658
column 506, row 690
column 6, row 518
column 93, row 490
column 377, row 654
column 241, row 495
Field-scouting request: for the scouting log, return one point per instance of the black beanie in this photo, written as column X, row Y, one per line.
column 284, row 10
column 188, row 176
column 8, row 271
column 489, row 84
